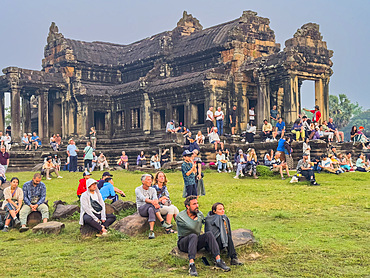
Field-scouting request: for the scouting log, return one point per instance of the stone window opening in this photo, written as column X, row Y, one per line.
column 121, row 119
column 99, row 120
column 135, row 118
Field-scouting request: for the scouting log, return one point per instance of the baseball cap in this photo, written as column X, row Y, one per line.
column 86, row 174
column 305, row 154
column 187, row 153
column 107, row 174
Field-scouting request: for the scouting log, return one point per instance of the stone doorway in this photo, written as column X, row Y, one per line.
column 99, row 120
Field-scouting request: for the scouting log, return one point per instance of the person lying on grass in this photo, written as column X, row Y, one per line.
column 34, row 193
column 219, row 224
column 147, row 204
column 189, row 225
column 13, row 196
column 93, row 209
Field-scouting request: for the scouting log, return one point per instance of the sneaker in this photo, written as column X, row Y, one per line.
column 246, row 143
column 218, row 170
column 229, row 171
column 243, row 140
column 315, row 183
column 17, row 222
column 6, row 229
column 236, row 177
column 48, row 179
column 235, row 261
column 23, row 229
column 241, row 174
column 59, row 177
column 225, row 171
column 222, row 265
column 166, row 225
column 192, row 270
column 151, row 235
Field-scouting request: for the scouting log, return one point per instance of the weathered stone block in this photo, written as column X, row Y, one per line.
column 63, row 211
column 241, row 237
column 132, row 225
column 52, row 227
column 109, row 209
column 87, row 231
column 121, row 205
column 34, row 218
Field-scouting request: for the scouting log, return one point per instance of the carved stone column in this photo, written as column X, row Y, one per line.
column 290, row 99
column 263, row 100
column 146, row 114
column 325, row 100
column 16, row 113
column 26, row 113
column 43, row 96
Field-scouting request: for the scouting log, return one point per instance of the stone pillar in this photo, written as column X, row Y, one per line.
column 290, row 99
column 319, row 96
column 26, row 114
column 146, row 114
column 325, row 100
column 263, row 101
column 16, row 113
column 43, row 96
column 2, row 112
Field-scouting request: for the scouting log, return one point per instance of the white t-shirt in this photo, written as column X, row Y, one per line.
column 251, row 114
column 326, row 162
column 219, row 115
column 209, row 115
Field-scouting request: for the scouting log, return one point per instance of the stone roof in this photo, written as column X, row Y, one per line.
column 93, row 89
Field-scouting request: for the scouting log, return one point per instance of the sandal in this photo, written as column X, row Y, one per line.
column 170, row 231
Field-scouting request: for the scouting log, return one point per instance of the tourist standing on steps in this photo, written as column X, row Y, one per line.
column 252, row 114
column 13, row 200
column 88, row 151
column 189, row 225
column 274, row 115
column 72, row 154
column 147, row 204
column 93, row 137
column 316, row 113
column 232, row 117
column 4, row 158
column 34, row 193
column 93, row 209
column 219, row 224
column 209, row 119
column 219, row 115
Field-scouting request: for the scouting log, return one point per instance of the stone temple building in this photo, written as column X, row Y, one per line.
column 134, row 90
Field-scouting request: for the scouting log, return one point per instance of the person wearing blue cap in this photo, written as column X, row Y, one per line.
column 188, row 169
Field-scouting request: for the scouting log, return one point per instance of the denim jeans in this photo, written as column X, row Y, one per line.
column 220, row 127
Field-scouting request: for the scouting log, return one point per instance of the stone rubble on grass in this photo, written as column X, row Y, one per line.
column 132, row 225
column 63, row 211
column 241, row 237
column 52, row 227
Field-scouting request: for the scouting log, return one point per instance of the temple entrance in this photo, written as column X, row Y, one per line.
column 306, row 95
column 179, row 114
column 99, row 120
column 201, row 113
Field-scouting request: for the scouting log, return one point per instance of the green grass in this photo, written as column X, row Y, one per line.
column 302, row 231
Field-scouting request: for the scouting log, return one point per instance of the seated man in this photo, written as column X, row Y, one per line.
column 361, row 164
column 304, row 168
column 338, row 134
column 82, row 184
column 170, row 128
column 34, row 195
column 215, row 139
column 35, row 140
column 102, row 162
column 221, row 161
column 108, row 190
column 278, row 165
column 193, row 145
column 147, row 204
column 189, row 225
column 327, row 165
column 25, row 142
column 325, row 131
column 49, row 168
column 267, row 131
column 280, row 127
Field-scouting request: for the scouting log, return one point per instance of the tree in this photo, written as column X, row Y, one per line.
column 8, row 118
column 362, row 119
column 342, row 110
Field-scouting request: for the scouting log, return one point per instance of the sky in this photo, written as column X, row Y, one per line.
column 344, row 25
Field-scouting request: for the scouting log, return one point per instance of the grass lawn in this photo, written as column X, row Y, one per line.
column 302, row 231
